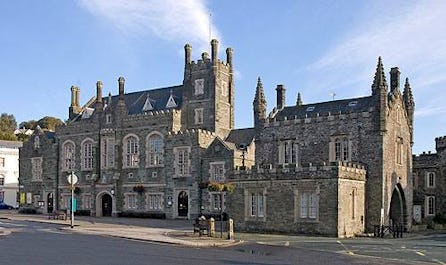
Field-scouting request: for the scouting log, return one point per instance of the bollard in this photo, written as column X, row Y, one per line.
column 230, row 229
column 211, row 227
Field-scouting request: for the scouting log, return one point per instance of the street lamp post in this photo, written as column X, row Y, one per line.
column 72, row 179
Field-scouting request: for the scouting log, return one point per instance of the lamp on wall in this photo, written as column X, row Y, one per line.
column 112, row 191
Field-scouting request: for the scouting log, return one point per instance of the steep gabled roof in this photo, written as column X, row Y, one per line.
column 324, row 108
column 136, row 101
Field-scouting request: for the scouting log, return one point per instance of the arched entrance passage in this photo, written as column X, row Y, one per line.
column 104, row 204
column 183, row 204
column 50, row 202
column 398, row 211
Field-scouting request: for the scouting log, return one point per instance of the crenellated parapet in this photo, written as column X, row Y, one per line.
column 440, row 143
column 316, row 117
column 344, row 170
column 153, row 115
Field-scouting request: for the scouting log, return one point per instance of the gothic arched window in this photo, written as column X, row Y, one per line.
column 131, row 151
column 68, row 162
column 155, row 150
column 87, row 153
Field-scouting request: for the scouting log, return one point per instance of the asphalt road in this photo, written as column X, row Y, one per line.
column 38, row 243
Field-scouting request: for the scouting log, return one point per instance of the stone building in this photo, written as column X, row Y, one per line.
column 9, row 172
column 429, row 171
column 38, row 171
column 331, row 168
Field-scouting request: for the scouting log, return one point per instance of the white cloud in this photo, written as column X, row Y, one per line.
column 411, row 36
column 172, row 20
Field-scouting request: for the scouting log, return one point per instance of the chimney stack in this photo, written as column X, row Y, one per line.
column 394, row 79
column 214, row 51
column 188, row 53
column 280, row 96
column 121, row 82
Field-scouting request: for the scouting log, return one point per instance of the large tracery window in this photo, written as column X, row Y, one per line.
column 68, row 156
column 131, row 151
column 155, row 150
column 87, row 155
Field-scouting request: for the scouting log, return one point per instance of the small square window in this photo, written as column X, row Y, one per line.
column 310, row 108
column 154, row 174
column 130, row 175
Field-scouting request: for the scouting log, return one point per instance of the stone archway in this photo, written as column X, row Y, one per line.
column 398, row 210
column 105, row 204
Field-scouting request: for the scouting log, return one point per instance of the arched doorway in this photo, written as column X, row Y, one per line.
column 50, row 202
column 106, row 205
column 183, row 204
column 398, row 211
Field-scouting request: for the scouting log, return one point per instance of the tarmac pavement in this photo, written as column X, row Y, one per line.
column 178, row 232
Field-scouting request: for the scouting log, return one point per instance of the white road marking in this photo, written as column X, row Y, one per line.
column 419, row 253
column 345, row 248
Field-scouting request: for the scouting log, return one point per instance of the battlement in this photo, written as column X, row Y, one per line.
column 192, row 132
column 206, row 63
column 317, row 117
column 156, row 114
column 440, row 143
column 334, row 169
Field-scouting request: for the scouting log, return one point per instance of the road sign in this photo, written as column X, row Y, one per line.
column 72, row 178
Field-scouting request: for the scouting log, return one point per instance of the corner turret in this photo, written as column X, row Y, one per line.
column 259, row 105
column 409, row 103
column 379, row 92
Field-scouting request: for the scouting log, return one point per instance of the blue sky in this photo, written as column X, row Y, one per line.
column 313, row 47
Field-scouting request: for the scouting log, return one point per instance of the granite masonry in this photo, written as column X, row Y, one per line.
column 333, row 168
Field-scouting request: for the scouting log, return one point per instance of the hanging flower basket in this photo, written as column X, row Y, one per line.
column 138, row 188
column 219, row 187
column 204, row 185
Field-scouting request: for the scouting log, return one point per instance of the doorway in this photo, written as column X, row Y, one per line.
column 50, row 202
column 183, row 204
column 106, row 205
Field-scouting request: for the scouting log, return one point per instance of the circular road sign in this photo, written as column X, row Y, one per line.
column 72, row 178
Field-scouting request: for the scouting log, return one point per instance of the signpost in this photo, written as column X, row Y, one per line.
column 72, row 179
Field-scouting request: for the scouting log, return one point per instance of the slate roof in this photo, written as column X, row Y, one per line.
column 158, row 99
column 241, row 136
column 135, row 100
column 324, row 108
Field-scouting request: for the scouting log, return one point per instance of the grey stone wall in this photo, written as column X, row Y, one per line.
column 280, row 186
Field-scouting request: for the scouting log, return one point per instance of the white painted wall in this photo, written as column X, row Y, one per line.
column 9, row 150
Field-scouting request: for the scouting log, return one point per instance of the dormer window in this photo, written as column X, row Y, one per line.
column 311, row 108
column 87, row 113
column 199, row 87
column 171, row 102
column 352, row 103
column 147, row 105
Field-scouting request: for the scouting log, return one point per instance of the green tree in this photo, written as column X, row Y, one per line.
column 49, row 123
column 7, row 127
column 28, row 124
